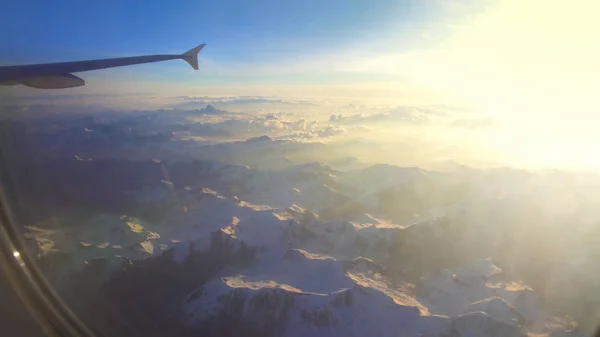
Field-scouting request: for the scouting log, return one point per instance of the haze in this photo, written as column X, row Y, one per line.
column 526, row 71
column 328, row 160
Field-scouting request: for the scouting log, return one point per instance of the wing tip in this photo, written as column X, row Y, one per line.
column 191, row 56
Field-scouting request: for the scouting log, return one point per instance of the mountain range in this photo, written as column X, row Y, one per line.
column 145, row 231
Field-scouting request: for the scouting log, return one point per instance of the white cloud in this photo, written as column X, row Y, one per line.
column 316, row 132
column 242, row 126
column 394, row 115
column 474, row 123
column 200, row 101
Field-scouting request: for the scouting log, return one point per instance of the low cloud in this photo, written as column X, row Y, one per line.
column 193, row 102
column 430, row 115
column 395, row 115
column 316, row 133
column 242, row 126
column 474, row 123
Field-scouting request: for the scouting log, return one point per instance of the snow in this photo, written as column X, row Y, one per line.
column 104, row 235
column 478, row 324
column 319, row 292
column 478, row 271
column 498, row 309
column 309, row 276
column 354, row 311
column 375, row 178
column 319, row 227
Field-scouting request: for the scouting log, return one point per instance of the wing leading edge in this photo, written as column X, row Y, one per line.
column 58, row 75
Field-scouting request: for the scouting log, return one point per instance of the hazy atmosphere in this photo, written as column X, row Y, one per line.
column 524, row 72
column 334, row 168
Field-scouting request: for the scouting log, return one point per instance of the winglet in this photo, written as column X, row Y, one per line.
column 191, row 56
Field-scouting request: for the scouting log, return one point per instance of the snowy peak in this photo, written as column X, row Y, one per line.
column 481, row 324
column 209, row 109
column 315, row 168
column 364, row 265
column 302, row 255
column 270, row 307
column 498, row 309
column 294, row 274
column 478, row 271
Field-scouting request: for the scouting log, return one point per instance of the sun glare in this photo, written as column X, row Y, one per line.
column 533, row 65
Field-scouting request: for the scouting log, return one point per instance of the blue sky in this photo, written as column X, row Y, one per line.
column 64, row 29
column 532, row 64
column 281, row 40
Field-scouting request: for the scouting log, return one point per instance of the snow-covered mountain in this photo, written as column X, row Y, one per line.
column 303, row 276
column 212, row 223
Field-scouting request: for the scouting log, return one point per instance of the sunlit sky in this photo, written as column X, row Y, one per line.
column 260, row 43
column 535, row 65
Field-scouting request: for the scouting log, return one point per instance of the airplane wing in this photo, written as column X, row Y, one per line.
column 58, row 75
